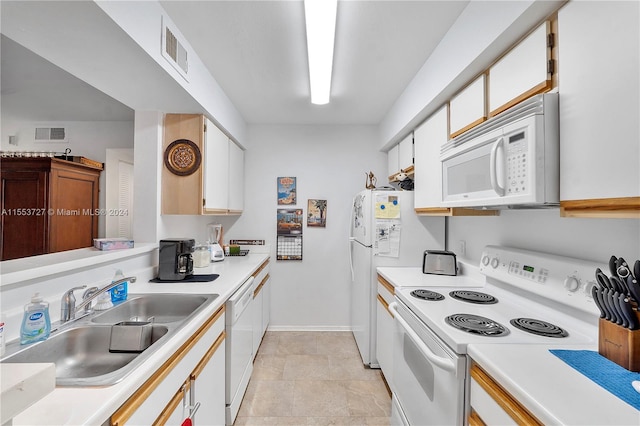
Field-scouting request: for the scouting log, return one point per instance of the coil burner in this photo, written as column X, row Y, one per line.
column 539, row 327
column 477, row 325
column 473, row 297
column 426, row 294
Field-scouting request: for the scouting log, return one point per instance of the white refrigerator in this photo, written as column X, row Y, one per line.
column 385, row 231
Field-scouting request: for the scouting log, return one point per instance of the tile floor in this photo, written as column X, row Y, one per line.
column 313, row 378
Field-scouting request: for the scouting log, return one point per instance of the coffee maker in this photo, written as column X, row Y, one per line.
column 176, row 260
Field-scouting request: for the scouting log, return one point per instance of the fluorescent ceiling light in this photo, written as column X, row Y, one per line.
column 320, row 19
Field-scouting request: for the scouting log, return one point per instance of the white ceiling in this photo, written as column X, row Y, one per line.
column 256, row 50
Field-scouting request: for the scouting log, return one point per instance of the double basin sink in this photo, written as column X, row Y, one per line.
column 81, row 349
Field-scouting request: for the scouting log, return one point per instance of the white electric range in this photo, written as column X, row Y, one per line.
column 435, row 324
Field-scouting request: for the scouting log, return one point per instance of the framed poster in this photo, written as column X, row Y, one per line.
column 317, row 213
column 286, row 191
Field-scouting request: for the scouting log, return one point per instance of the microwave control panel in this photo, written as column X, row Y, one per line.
column 517, row 163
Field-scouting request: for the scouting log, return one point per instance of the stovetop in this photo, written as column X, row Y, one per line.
column 546, row 292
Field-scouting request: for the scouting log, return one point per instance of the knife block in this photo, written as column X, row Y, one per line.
column 619, row 344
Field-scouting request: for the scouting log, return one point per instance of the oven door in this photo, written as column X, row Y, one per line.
column 428, row 377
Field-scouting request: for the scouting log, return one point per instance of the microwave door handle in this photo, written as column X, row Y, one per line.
column 446, row 364
column 493, row 170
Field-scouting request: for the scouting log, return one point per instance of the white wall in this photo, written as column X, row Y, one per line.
column 545, row 230
column 330, row 163
column 88, row 139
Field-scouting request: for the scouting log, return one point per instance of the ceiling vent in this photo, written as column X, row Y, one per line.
column 51, row 134
column 174, row 51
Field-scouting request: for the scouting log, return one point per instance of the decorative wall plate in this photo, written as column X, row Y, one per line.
column 182, row 157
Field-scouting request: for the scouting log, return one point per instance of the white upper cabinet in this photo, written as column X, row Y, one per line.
column 405, row 153
column 236, row 176
column 216, row 170
column 467, row 108
column 223, row 178
column 400, row 157
column 522, row 72
column 599, row 83
column 428, row 137
column 392, row 160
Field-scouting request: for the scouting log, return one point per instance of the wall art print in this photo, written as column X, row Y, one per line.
column 286, row 191
column 317, row 213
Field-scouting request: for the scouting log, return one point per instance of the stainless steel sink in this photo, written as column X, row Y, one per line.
column 158, row 308
column 80, row 349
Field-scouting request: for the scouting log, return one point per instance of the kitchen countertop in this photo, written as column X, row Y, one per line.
column 94, row 405
column 410, row 276
column 551, row 390
column 23, row 385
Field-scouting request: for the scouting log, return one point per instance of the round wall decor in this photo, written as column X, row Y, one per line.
column 182, row 157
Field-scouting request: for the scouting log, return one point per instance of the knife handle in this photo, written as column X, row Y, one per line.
column 627, row 310
column 596, row 298
column 624, row 316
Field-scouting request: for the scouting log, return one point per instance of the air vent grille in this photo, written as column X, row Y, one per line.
column 51, row 134
column 174, row 51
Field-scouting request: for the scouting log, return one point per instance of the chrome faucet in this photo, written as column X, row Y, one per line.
column 68, row 307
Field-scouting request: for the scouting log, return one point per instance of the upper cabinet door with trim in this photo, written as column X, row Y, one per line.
column 428, row 137
column 522, row 72
column 467, row 108
column 405, row 153
column 599, row 53
column 216, row 170
column 392, row 160
column 236, row 176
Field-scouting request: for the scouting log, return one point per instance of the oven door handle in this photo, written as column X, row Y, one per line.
column 493, row 171
column 446, row 364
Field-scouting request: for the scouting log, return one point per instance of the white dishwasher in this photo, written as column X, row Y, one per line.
column 239, row 347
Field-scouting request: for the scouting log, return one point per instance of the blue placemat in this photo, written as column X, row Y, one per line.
column 605, row 373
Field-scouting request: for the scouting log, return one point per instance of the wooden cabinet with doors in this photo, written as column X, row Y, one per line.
column 190, row 384
column 525, row 70
column 599, row 49
column 216, row 184
column 492, row 405
column 429, row 137
column 48, row 205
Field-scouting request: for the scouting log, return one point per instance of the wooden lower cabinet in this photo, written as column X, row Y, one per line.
column 492, row 405
column 48, row 205
column 190, row 384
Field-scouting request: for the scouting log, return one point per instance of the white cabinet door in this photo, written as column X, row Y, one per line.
column 216, row 170
column 266, row 304
column 599, row 49
column 236, row 177
column 467, row 108
column 405, row 153
column 428, row 137
column 384, row 334
column 208, row 390
column 257, row 319
column 392, row 160
column 521, row 73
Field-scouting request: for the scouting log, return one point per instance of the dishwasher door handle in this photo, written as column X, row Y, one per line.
column 446, row 364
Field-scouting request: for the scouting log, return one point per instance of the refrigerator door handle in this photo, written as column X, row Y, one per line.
column 351, row 240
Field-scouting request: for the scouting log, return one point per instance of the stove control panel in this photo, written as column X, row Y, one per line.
column 562, row 279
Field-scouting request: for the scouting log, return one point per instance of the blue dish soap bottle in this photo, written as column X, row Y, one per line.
column 119, row 292
column 36, row 323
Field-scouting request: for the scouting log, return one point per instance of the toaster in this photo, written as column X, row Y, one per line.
column 439, row 262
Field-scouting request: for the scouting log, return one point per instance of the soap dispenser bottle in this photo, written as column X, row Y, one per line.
column 36, row 323
column 119, row 292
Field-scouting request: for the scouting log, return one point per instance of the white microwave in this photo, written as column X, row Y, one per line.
column 511, row 160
